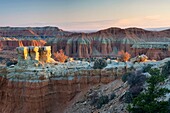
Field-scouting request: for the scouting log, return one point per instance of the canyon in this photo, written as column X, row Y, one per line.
column 107, row 42
column 38, row 84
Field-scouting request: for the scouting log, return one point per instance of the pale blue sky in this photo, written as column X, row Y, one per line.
column 85, row 14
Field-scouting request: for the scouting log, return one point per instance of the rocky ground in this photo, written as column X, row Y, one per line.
column 90, row 102
column 7, row 55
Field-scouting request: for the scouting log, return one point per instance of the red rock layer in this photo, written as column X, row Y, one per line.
column 101, row 43
column 33, row 32
column 50, row 96
column 156, row 54
column 90, row 50
column 12, row 44
column 1, row 45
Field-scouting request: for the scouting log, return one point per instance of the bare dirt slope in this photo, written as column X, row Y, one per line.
column 87, row 103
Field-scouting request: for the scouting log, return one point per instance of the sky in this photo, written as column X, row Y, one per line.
column 85, row 14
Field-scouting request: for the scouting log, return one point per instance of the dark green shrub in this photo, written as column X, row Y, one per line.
column 125, row 77
column 108, row 57
column 112, row 96
column 166, row 69
column 135, row 90
column 128, row 97
column 101, row 101
column 11, row 62
column 94, row 98
column 148, row 101
column 169, row 104
column 100, row 64
column 147, row 68
column 136, row 79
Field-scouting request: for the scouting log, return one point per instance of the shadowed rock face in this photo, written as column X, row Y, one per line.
column 109, row 41
column 12, row 44
column 49, row 96
column 1, row 45
column 101, row 43
column 22, row 91
column 31, row 32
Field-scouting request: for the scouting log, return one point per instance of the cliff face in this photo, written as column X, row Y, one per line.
column 36, row 85
column 32, row 32
column 50, row 95
column 12, row 44
column 49, row 87
column 109, row 41
column 1, row 45
column 105, row 42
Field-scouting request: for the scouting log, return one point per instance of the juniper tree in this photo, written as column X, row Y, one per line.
column 149, row 101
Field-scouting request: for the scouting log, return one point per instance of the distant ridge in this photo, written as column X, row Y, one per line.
column 94, row 44
column 83, row 31
column 157, row 29
column 115, row 32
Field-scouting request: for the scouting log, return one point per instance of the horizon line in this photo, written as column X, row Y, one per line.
column 146, row 28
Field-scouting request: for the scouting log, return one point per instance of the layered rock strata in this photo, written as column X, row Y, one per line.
column 31, row 32
column 12, row 44
column 31, row 88
column 105, row 42
column 47, row 95
column 34, row 55
column 49, row 88
column 89, row 47
column 154, row 50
